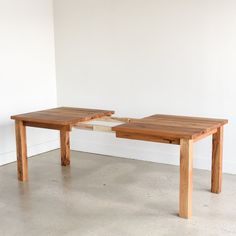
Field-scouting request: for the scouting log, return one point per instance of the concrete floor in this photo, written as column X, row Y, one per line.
column 108, row 196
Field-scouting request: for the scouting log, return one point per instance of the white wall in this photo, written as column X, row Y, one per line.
column 27, row 71
column 141, row 57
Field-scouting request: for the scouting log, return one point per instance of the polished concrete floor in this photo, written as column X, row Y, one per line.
column 106, row 196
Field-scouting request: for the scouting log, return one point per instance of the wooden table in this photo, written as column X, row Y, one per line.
column 180, row 130
column 62, row 119
column 184, row 131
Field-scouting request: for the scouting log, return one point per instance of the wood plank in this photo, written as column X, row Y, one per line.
column 217, row 153
column 21, row 149
column 159, row 130
column 47, row 126
column 62, row 115
column 187, row 118
column 145, row 137
column 65, row 147
column 181, row 123
column 186, row 167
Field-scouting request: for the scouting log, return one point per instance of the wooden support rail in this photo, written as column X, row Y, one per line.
column 87, row 125
column 116, row 119
column 94, row 127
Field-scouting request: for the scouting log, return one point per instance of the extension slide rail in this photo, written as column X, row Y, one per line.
column 180, row 130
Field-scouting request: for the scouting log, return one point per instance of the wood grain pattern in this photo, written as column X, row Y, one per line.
column 62, row 115
column 65, row 147
column 211, row 132
column 146, row 137
column 217, row 152
column 186, row 167
column 175, row 127
column 47, row 126
column 21, row 149
column 190, row 119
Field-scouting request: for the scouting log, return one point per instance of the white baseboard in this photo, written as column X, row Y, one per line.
column 139, row 153
column 9, row 157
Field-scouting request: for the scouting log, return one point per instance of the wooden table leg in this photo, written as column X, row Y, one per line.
column 217, row 152
column 186, row 166
column 65, row 147
column 21, row 149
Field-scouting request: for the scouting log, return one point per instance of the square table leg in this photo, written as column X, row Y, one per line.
column 217, row 153
column 65, row 147
column 186, row 166
column 21, row 149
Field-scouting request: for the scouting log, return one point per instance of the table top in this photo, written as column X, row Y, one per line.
column 171, row 126
column 62, row 115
